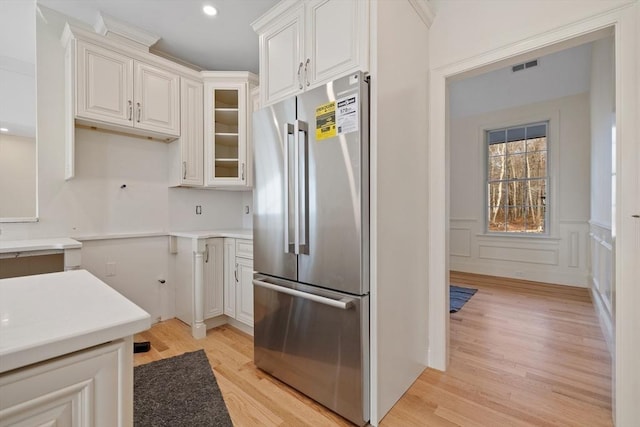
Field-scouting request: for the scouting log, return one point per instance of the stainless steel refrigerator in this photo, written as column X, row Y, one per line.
column 311, row 244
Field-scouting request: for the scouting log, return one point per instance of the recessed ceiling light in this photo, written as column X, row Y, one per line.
column 209, row 10
column 4, row 130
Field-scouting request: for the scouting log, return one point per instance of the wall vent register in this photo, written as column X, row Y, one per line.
column 525, row 65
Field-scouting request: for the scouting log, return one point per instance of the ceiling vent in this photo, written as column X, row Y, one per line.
column 525, row 65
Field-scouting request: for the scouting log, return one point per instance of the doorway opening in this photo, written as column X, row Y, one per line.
column 530, row 199
column 625, row 248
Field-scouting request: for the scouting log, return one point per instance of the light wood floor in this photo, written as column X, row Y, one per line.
column 522, row 354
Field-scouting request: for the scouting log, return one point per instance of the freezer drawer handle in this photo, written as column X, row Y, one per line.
column 343, row 304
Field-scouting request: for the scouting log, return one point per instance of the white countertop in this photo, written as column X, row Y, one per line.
column 60, row 243
column 49, row 315
column 240, row 233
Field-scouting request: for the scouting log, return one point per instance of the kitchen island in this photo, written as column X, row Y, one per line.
column 66, row 350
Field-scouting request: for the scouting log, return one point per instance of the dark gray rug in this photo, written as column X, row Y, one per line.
column 179, row 391
column 458, row 296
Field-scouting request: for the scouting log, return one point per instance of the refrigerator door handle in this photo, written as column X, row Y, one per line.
column 343, row 304
column 302, row 190
column 289, row 247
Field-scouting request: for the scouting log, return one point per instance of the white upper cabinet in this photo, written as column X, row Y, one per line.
column 104, row 85
column 116, row 89
column 187, row 154
column 304, row 44
column 157, row 99
column 336, row 40
column 120, row 86
column 228, row 147
column 282, row 55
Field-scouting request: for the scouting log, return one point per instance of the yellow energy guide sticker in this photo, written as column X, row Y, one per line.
column 326, row 121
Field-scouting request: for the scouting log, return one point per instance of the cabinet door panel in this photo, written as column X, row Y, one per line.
column 213, row 278
column 81, row 389
column 335, row 39
column 230, row 277
column 226, row 134
column 281, row 49
column 244, row 291
column 191, row 133
column 104, row 85
column 157, row 103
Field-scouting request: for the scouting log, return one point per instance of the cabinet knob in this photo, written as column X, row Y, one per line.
column 139, row 111
column 130, row 110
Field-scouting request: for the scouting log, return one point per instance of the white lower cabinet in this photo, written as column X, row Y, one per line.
column 238, row 280
column 197, row 271
column 213, row 281
column 213, row 277
column 244, row 290
column 93, row 387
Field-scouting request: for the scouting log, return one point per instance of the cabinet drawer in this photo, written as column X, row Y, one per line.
column 244, row 248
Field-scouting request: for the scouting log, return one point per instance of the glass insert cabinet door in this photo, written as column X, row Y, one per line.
column 225, row 132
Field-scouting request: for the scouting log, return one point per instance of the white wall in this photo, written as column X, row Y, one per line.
column 602, row 103
column 562, row 257
column 601, row 237
column 466, row 28
column 94, row 204
column 17, row 176
column 247, row 209
column 17, row 67
column 398, row 202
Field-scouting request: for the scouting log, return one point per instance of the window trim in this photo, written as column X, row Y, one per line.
column 552, row 118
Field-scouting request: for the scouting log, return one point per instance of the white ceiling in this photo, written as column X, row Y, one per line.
column 563, row 73
column 224, row 42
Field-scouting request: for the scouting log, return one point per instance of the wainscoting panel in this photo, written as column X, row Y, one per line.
column 574, row 251
column 519, row 254
column 561, row 258
column 460, row 242
column 602, row 276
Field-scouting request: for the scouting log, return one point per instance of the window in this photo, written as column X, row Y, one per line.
column 517, row 179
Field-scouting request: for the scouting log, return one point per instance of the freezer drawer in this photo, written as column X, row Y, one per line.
column 315, row 340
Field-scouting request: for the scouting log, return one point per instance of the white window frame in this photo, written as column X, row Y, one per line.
column 552, row 120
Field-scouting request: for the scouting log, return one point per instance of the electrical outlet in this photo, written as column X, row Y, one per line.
column 111, row 269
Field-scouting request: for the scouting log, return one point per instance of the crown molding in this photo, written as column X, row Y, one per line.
column 108, row 26
column 425, row 11
column 134, row 50
column 276, row 11
column 245, row 75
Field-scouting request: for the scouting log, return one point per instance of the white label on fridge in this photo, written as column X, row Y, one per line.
column 347, row 114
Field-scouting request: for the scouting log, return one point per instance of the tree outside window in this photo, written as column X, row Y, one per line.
column 517, row 179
